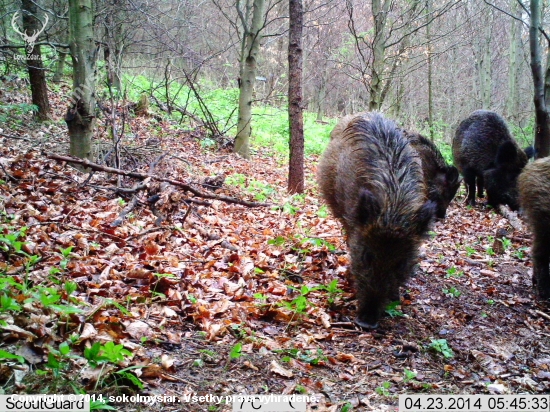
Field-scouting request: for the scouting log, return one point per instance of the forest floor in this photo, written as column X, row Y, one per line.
column 223, row 299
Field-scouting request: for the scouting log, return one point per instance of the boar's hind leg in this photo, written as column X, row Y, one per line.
column 470, row 182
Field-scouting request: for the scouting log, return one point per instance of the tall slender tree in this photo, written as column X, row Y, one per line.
column 295, row 115
column 514, row 58
column 248, row 68
column 80, row 116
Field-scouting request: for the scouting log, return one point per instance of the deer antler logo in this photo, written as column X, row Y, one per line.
column 30, row 40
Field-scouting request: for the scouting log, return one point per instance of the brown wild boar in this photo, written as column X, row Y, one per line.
column 371, row 178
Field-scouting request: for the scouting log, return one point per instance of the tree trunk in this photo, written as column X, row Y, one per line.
column 379, row 14
column 248, row 77
column 542, row 118
column 430, row 70
column 515, row 52
column 295, row 116
column 484, row 60
column 37, row 75
column 114, row 45
column 59, row 67
column 80, row 117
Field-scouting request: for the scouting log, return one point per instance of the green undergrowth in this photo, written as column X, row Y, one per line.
column 33, row 286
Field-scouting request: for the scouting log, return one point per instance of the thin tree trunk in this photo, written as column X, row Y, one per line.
column 379, row 13
column 295, row 115
column 430, row 70
column 542, row 118
column 248, row 78
column 37, row 75
column 484, row 60
column 80, row 117
column 515, row 51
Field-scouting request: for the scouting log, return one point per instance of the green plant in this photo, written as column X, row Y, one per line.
column 383, row 389
column 260, row 190
column 58, row 360
column 300, row 304
column 236, row 179
column 506, row 243
column 236, row 351
column 11, row 243
column 8, row 304
column 126, row 375
column 470, row 251
column 409, row 375
column 454, row 272
column 333, row 291
column 65, row 253
column 452, row 292
column 347, row 407
column 300, row 389
column 323, row 212
column 392, row 309
column 490, row 251
column 290, row 209
column 441, row 346
column 109, row 353
column 308, row 356
column 10, row 356
column 520, row 253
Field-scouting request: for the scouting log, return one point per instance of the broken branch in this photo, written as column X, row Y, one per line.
column 136, row 175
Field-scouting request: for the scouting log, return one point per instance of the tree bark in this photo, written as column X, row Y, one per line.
column 379, row 14
column 295, row 115
column 80, row 117
column 484, row 60
column 542, row 118
column 249, row 58
column 430, row 70
column 59, row 67
column 515, row 51
column 37, row 75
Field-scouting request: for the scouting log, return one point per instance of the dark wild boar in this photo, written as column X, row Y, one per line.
column 534, row 194
column 483, row 142
column 371, row 178
column 441, row 180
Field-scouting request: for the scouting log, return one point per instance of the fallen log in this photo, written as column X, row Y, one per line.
column 142, row 176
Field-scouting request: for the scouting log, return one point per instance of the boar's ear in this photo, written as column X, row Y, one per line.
column 368, row 207
column 425, row 215
column 451, row 175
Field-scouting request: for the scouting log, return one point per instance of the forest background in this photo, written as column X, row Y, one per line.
column 427, row 64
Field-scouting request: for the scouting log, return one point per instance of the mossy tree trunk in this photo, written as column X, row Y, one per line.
column 249, row 58
column 80, row 117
